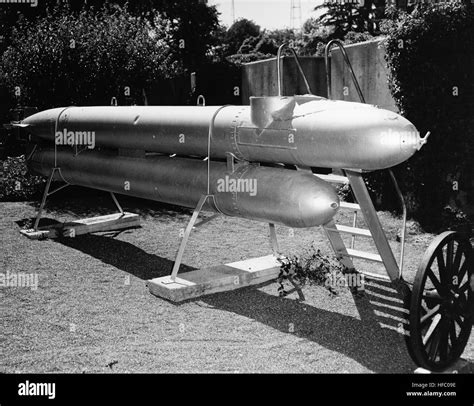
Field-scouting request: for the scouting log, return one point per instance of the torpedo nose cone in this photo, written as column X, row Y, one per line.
column 43, row 123
column 42, row 116
column 384, row 138
column 319, row 205
column 351, row 135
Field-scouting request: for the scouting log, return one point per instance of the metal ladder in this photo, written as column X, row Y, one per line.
column 364, row 205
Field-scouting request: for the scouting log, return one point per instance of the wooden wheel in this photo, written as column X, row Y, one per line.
column 442, row 303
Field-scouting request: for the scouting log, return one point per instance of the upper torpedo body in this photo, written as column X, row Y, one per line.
column 301, row 130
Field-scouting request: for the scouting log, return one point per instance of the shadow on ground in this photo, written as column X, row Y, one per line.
column 365, row 341
column 122, row 255
column 84, row 202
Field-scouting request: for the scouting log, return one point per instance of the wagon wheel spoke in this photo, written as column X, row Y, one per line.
column 443, row 346
column 446, row 277
column 452, row 333
column 458, row 319
column 441, row 263
column 426, row 318
column 464, row 288
column 457, row 258
column 430, row 332
column 434, row 344
column 462, row 305
column 434, row 280
column 431, row 295
column 462, row 271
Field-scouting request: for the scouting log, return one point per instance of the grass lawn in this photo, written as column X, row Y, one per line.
column 93, row 313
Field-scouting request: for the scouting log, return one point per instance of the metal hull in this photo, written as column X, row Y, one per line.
column 292, row 198
column 302, row 130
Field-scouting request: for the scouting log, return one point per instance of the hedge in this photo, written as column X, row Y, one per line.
column 430, row 55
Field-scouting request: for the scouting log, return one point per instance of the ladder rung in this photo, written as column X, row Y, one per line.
column 373, row 275
column 364, row 255
column 349, row 206
column 332, row 178
column 352, row 230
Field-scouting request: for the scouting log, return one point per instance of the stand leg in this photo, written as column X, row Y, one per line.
column 202, row 222
column 117, row 203
column 274, row 240
column 43, row 201
column 184, row 241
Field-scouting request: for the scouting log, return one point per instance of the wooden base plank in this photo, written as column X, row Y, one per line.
column 109, row 222
column 220, row 278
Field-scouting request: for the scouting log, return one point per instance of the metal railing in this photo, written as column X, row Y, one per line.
column 340, row 44
column 298, row 64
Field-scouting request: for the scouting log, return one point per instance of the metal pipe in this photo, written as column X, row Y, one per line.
column 340, row 44
column 298, row 64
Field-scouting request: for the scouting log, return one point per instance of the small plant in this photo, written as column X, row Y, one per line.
column 16, row 183
column 313, row 268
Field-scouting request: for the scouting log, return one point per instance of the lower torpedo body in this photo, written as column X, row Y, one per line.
column 292, row 198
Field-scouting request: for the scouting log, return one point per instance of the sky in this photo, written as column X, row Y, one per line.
column 269, row 14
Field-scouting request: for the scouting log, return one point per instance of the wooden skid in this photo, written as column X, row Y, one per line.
column 109, row 222
column 218, row 278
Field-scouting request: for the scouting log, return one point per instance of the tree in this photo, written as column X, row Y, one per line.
column 197, row 23
column 350, row 16
column 63, row 59
column 238, row 33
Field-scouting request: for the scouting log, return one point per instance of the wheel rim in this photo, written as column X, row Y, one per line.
column 441, row 309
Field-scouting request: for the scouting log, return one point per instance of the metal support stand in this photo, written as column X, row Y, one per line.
column 184, row 241
column 274, row 240
column 117, row 204
column 46, row 193
column 199, row 206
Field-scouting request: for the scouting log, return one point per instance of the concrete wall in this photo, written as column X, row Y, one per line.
column 260, row 78
column 367, row 59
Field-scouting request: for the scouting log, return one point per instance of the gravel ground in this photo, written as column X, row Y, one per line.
column 93, row 313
